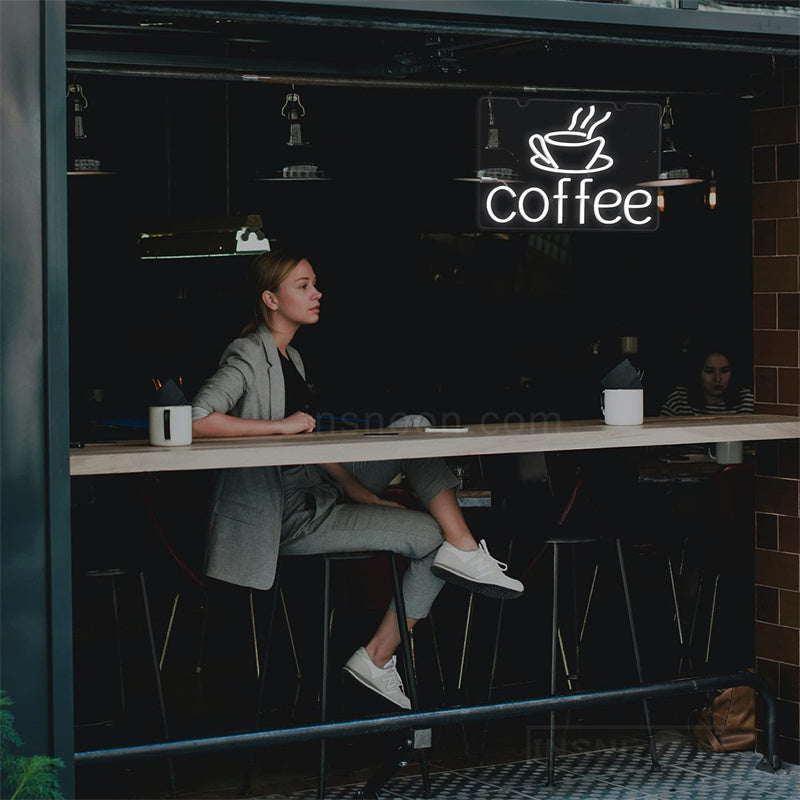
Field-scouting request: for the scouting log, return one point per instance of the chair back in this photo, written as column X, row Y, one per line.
column 568, row 491
column 594, row 493
column 571, row 501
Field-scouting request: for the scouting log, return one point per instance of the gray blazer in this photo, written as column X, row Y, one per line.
column 247, row 507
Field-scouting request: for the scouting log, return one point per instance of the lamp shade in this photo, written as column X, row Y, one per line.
column 496, row 165
column 678, row 168
column 228, row 236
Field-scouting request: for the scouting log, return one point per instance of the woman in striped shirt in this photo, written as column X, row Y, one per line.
column 714, row 391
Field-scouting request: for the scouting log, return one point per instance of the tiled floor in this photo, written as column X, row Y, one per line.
column 622, row 773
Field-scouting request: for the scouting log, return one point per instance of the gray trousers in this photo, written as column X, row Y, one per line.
column 317, row 520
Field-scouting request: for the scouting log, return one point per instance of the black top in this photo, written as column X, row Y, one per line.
column 298, row 395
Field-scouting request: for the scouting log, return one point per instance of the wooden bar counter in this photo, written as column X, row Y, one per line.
column 381, row 445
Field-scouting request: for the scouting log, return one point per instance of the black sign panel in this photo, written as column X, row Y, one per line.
column 567, row 165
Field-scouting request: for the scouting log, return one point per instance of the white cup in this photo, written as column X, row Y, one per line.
column 170, row 426
column 728, row 452
column 623, row 406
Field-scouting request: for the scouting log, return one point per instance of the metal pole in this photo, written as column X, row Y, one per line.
column 634, row 641
column 323, row 697
column 249, row 76
column 771, row 762
column 551, row 747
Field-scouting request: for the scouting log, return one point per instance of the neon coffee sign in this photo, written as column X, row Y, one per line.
column 577, row 166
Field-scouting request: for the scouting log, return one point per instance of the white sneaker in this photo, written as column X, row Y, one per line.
column 385, row 680
column 475, row 570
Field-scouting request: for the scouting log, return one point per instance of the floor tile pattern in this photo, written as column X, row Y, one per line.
column 614, row 774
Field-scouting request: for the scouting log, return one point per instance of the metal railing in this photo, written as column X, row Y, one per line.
column 771, row 761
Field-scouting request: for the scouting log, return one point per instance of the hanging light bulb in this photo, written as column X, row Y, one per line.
column 678, row 167
column 711, row 197
column 299, row 159
column 660, row 200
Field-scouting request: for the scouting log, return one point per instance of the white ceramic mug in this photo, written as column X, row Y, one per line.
column 728, row 452
column 623, row 406
column 170, row 426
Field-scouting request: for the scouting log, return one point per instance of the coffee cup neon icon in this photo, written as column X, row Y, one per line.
column 574, row 151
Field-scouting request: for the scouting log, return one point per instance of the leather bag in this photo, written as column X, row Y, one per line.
column 728, row 722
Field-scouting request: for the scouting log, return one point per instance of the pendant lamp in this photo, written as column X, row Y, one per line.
column 299, row 161
column 82, row 151
column 496, row 164
column 678, row 167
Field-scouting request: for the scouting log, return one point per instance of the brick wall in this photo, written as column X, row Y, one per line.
column 776, row 351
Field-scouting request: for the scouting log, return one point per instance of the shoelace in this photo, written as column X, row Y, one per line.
column 501, row 566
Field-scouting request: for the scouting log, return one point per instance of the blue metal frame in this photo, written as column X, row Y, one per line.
column 35, row 561
column 56, row 332
column 771, row 762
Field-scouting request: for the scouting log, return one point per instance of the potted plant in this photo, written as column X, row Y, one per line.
column 24, row 777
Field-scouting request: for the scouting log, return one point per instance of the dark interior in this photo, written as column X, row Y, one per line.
column 421, row 310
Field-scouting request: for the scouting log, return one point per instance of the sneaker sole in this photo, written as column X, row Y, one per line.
column 353, row 674
column 486, row 589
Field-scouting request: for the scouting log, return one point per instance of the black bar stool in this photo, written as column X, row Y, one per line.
column 115, row 569
column 557, row 645
column 327, row 560
column 730, row 499
column 163, row 496
column 113, row 575
column 557, row 642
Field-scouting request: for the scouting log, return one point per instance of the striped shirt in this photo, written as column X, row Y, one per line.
column 677, row 404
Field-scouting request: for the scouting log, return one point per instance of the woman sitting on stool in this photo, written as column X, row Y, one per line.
column 259, row 389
